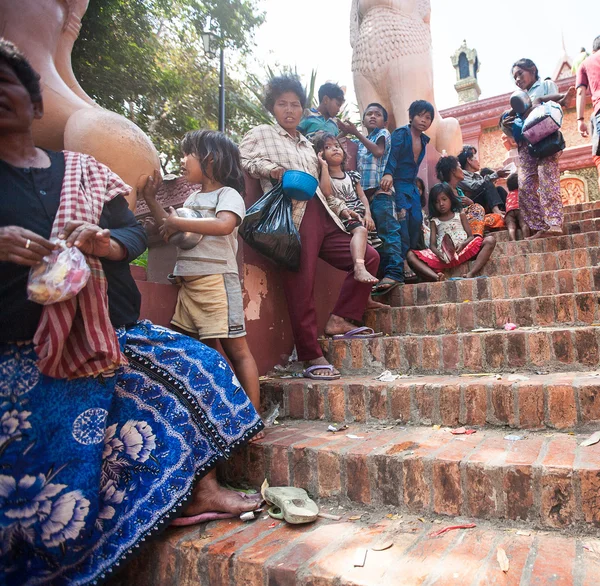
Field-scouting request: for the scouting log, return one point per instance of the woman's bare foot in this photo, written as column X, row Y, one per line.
column 441, row 277
column 362, row 275
column 257, row 437
column 546, row 234
column 337, row 325
column 372, row 304
column 210, row 496
column 322, row 361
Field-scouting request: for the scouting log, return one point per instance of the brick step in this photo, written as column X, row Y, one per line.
column 547, row 480
column 231, row 553
column 574, row 227
column 585, row 240
column 574, row 216
column 447, row 318
column 535, row 262
column 531, row 349
column 579, row 207
column 533, row 284
column 565, row 401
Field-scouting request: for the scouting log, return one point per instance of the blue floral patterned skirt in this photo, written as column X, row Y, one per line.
column 91, row 468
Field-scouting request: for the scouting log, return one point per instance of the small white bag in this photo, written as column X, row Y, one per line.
column 543, row 121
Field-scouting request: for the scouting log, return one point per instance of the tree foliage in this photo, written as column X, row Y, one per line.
column 144, row 59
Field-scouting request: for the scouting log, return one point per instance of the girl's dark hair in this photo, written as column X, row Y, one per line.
column 281, row 84
column 377, row 105
column 226, row 166
column 512, row 182
column 445, row 166
column 26, row 74
column 319, row 144
column 447, row 190
column 421, row 107
column 421, row 186
column 528, row 65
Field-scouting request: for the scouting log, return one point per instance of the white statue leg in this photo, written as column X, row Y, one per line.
column 366, row 93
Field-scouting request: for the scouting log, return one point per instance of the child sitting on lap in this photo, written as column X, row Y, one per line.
column 513, row 218
column 209, row 302
column 446, row 220
column 346, row 198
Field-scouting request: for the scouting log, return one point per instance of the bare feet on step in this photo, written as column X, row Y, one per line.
column 362, row 275
column 210, row 496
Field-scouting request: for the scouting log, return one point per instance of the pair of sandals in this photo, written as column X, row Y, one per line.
column 361, row 333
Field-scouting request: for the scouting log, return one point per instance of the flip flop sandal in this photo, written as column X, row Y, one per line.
column 201, row 518
column 375, row 292
column 308, row 372
column 361, row 333
column 291, row 504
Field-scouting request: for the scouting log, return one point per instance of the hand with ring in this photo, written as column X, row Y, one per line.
column 89, row 238
column 23, row 247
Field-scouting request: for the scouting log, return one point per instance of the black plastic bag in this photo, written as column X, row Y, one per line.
column 268, row 228
column 548, row 146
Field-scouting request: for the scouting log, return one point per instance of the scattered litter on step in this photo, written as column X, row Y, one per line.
column 502, row 560
column 271, row 417
column 542, row 372
column 593, row 547
column 263, row 378
column 462, row 431
column 272, row 525
column 251, row 515
column 509, row 327
column 352, row 436
column 205, row 536
column 264, row 487
column 387, row 376
column 482, row 330
column 331, row 517
column 590, row 441
column 513, row 438
column 360, row 557
column 452, row 528
column 382, row 545
column 482, row 375
column 437, row 522
column 394, row 517
column 523, row 533
column 592, row 374
column 335, row 429
column 467, row 301
column 517, row 378
column 421, row 519
column 436, row 427
column 354, row 518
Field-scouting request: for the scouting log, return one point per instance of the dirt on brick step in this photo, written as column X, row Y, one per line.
column 230, row 553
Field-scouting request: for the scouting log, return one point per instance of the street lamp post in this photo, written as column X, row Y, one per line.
column 210, row 42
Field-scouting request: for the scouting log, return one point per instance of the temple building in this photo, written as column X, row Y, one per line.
column 479, row 118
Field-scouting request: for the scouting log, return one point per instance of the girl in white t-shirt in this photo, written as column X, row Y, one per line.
column 209, row 303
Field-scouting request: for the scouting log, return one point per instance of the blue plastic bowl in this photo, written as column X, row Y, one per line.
column 299, row 185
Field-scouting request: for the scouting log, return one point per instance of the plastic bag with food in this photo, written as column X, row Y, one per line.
column 61, row 275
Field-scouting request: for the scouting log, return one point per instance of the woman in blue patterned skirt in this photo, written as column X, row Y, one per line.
column 109, row 427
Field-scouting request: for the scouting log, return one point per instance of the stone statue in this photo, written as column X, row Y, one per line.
column 45, row 30
column 392, row 63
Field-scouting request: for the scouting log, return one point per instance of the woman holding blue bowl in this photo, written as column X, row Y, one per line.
column 267, row 151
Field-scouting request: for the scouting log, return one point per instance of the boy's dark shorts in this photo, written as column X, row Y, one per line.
column 351, row 224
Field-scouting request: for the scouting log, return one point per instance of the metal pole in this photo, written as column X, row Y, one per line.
column 222, row 92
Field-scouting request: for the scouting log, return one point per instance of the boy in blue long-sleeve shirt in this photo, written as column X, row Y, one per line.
column 409, row 144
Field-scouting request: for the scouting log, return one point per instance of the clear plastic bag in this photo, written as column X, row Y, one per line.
column 62, row 275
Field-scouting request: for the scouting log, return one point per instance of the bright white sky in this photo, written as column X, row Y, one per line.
column 315, row 34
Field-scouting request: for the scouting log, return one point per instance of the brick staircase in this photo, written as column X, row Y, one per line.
column 402, row 475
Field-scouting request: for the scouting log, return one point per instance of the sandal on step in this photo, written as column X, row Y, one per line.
column 361, row 333
column 309, row 372
column 291, row 504
column 384, row 287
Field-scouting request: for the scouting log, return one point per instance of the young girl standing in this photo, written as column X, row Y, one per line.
column 446, row 219
column 539, row 179
column 347, row 199
column 209, row 303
